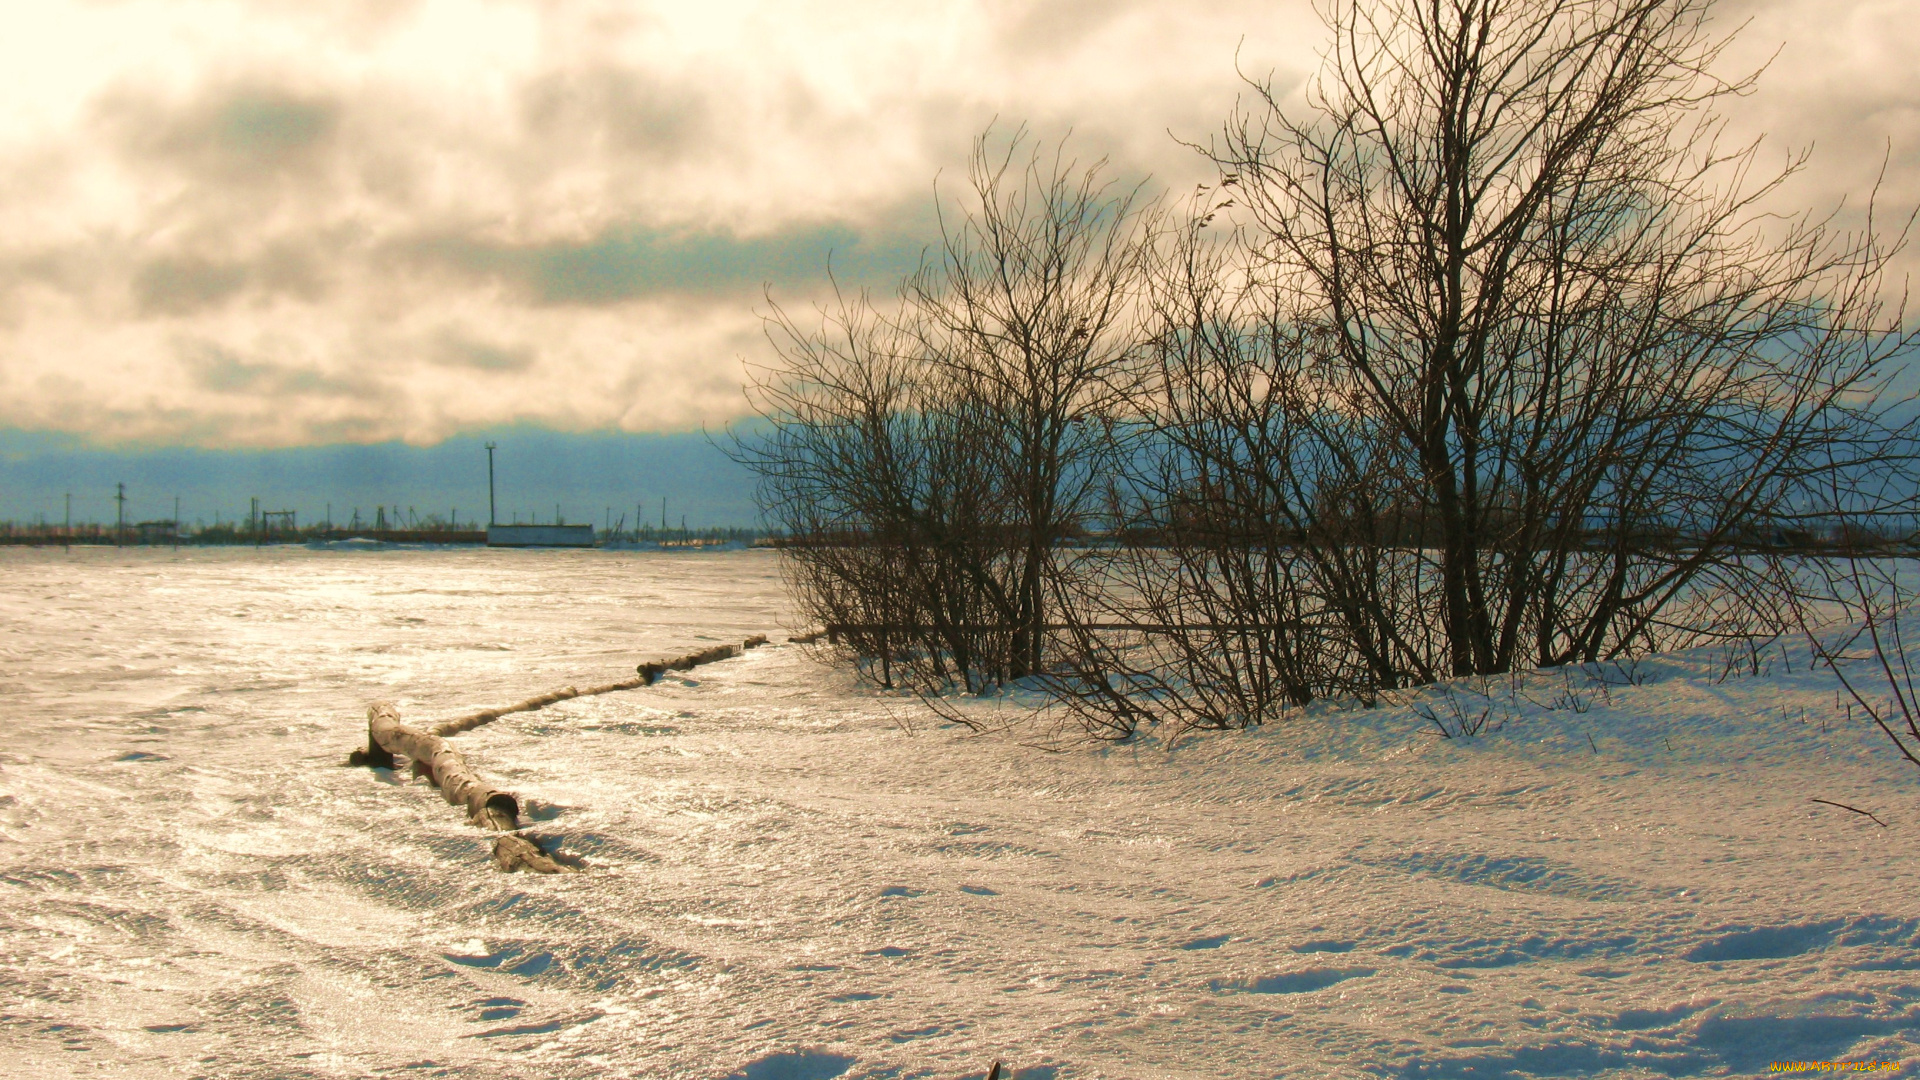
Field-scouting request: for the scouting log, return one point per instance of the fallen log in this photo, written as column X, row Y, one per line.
column 515, row 852
column 487, row 716
column 651, row 672
column 433, row 758
column 442, row 766
column 648, row 674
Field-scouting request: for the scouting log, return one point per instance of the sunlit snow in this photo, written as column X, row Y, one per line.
column 793, row 878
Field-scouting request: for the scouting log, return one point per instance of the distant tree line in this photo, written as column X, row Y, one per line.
column 282, row 527
column 1493, row 356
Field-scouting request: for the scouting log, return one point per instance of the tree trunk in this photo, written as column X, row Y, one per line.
column 443, row 766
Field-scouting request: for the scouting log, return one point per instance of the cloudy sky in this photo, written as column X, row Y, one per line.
column 287, row 223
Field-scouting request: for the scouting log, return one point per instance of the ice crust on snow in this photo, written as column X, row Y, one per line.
column 795, row 878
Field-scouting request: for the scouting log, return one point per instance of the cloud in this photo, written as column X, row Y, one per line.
column 627, row 262
column 629, row 112
column 458, row 350
column 243, row 132
column 181, row 286
column 279, row 223
column 265, row 381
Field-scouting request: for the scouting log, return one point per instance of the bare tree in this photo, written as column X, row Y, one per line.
column 1493, row 358
column 1857, row 613
column 929, row 462
column 1028, row 317
column 1206, row 613
column 1509, row 344
column 850, row 470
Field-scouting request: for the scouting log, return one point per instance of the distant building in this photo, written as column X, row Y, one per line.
column 154, row 532
column 540, row 536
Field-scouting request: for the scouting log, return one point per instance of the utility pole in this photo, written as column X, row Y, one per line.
column 66, row 534
column 176, row 521
column 120, row 514
column 491, row 518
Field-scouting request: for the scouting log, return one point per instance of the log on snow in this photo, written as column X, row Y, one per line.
column 442, row 765
column 649, row 673
column 515, row 852
column 487, row 716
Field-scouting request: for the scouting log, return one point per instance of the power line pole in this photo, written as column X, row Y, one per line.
column 120, row 514
column 492, row 518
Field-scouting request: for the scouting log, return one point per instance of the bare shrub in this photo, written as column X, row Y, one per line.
column 1857, row 616
column 928, row 462
column 1500, row 362
column 1495, row 358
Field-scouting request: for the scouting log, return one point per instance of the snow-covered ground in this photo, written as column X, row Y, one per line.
column 795, row 879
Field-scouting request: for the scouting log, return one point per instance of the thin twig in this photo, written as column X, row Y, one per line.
column 1855, row 809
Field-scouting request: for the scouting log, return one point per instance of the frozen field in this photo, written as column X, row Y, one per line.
column 794, row 879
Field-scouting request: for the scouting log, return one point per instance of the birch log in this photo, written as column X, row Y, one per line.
column 650, row 672
column 512, row 852
column 443, row 767
column 647, row 674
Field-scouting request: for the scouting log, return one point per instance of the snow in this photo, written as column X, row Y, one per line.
column 794, row 878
